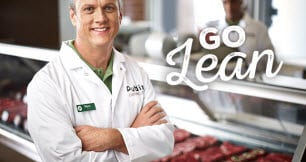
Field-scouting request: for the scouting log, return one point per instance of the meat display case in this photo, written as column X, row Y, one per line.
column 250, row 114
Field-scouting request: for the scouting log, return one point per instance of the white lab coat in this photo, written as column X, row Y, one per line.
column 66, row 82
column 257, row 36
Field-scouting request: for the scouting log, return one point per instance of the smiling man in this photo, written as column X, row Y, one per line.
column 257, row 36
column 81, row 106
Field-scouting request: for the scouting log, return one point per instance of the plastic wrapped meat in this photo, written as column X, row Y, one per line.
column 275, row 157
column 180, row 135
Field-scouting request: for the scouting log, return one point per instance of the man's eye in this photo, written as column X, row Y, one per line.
column 109, row 9
column 89, row 9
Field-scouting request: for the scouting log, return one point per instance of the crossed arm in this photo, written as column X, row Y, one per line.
column 101, row 139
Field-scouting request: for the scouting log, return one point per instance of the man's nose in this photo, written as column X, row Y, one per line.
column 231, row 6
column 100, row 16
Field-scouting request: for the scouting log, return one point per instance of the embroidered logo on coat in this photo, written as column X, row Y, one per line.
column 135, row 90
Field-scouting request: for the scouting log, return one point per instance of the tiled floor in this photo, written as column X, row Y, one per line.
column 8, row 155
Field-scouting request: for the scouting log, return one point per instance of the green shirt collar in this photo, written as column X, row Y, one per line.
column 230, row 23
column 106, row 76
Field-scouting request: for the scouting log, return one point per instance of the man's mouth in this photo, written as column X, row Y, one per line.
column 100, row 29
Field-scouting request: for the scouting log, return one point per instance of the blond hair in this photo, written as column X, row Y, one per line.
column 72, row 4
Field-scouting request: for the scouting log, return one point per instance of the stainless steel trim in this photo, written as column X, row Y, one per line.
column 19, row 144
column 28, row 52
column 159, row 73
column 301, row 148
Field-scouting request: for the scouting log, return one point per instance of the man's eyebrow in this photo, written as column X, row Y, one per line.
column 111, row 4
column 87, row 5
column 92, row 4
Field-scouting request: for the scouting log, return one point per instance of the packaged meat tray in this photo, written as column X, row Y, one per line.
column 191, row 148
column 13, row 112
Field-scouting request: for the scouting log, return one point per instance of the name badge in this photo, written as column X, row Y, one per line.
column 86, row 107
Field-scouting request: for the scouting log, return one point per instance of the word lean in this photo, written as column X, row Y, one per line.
column 175, row 78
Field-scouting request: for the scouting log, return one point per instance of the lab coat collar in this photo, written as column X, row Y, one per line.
column 118, row 76
column 119, row 61
column 70, row 58
column 73, row 61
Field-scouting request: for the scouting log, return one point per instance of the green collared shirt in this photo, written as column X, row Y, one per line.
column 230, row 23
column 106, row 76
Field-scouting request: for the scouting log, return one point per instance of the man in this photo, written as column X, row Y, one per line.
column 257, row 37
column 92, row 103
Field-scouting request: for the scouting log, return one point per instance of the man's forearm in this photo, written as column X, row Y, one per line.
column 100, row 139
column 118, row 141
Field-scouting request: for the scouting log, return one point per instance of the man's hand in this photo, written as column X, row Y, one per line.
column 151, row 114
column 100, row 139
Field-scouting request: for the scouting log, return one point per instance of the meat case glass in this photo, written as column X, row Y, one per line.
column 15, row 73
column 223, row 126
column 232, row 121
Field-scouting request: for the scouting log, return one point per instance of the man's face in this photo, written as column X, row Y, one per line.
column 97, row 21
column 232, row 9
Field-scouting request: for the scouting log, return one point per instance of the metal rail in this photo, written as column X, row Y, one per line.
column 159, row 73
column 18, row 143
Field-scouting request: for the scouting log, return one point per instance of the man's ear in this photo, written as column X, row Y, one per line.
column 72, row 16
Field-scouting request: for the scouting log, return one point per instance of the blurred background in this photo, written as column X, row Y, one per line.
column 46, row 24
column 266, row 113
